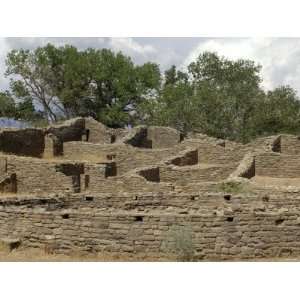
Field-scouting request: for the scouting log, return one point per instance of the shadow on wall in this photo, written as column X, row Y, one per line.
column 153, row 137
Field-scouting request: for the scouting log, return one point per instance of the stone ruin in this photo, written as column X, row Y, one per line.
column 149, row 192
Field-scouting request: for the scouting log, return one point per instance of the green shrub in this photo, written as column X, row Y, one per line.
column 230, row 187
column 179, row 242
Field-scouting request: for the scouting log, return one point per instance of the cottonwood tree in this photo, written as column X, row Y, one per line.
column 66, row 82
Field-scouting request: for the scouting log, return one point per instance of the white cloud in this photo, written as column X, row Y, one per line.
column 4, row 49
column 279, row 57
column 130, row 46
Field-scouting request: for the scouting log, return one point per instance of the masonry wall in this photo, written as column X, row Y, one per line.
column 87, row 151
column 188, row 174
column 70, row 130
column 214, row 153
column 126, row 157
column 123, row 184
column 97, row 132
column 26, row 142
column 235, row 233
column 163, row 137
column 277, row 165
column 38, row 176
column 290, row 144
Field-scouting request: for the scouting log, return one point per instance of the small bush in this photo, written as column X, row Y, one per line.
column 179, row 241
column 231, row 187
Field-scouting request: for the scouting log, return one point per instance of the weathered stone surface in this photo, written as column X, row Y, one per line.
column 144, row 190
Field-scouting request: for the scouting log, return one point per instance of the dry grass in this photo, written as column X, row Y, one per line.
column 39, row 255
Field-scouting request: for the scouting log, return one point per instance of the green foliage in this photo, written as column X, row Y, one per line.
column 7, row 105
column 279, row 112
column 66, row 82
column 214, row 96
column 179, row 242
column 231, row 187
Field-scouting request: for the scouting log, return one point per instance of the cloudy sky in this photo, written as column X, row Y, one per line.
column 279, row 57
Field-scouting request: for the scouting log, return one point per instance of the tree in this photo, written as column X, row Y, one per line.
column 215, row 96
column 120, row 86
column 7, row 105
column 65, row 82
column 279, row 112
column 237, row 83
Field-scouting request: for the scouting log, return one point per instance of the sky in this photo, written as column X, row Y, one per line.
column 279, row 57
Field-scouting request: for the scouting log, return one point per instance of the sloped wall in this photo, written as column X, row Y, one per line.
column 290, row 144
column 97, row 132
column 163, row 137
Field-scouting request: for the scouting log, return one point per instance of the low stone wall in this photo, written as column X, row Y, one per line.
column 277, row 165
column 41, row 176
column 26, row 142
column 70, row 130
column 187, row 157
column 87, row 151
column 97, row 132
column 163, row 137
column 126, row 157
column 233, row 233
column 290, row 144
column 215, row 153
column 197, row 173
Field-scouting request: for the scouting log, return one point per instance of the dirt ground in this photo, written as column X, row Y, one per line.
column 38, row 255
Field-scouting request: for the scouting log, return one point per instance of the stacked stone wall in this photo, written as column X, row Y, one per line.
column 235, row 233
column 290, row 144
column 25, row 142
column 185, row 175
column 277, row 165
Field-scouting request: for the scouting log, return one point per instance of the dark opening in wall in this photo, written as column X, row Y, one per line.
column 192, row 197
column 229, row 219
column 181, row 137
column 86, row 181
column 65, row 216
column 276, row 147
column 76, row 183
column 279, row 221
column 89, row 198
column 110, row 156
column 14, row 186
column 111, row 169
column 58, row 146
column 265, row 198
column 87, row 135
column 14, row 245
column 112, row 139
column 227, row 197
column 138, row 218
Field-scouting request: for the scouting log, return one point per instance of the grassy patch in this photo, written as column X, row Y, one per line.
column 231, row 187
